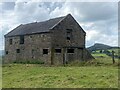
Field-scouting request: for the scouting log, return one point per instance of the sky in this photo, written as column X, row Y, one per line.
column 98, row 19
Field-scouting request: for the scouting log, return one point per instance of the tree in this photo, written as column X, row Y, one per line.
column 100, row 51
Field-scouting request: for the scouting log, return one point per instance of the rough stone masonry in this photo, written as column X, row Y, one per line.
column 55, row 41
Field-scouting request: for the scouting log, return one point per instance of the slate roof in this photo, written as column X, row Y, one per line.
column 36, row 27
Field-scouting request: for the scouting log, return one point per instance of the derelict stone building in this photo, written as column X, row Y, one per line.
column 55, row 41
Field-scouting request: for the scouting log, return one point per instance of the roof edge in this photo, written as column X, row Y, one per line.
column 28, row 34
column 57, row 23
column 13, row 30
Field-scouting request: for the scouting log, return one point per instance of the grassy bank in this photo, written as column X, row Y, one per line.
column 100, row 73
column 35, row 76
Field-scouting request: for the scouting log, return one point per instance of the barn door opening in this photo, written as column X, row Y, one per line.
column 64, row 56
column 52, row 56
column 70, row 54
column 80, row 54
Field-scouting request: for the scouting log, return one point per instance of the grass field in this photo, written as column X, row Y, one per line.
column 100, row 73
column 116, row 51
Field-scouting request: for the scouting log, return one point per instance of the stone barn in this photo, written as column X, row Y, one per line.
column 55, row 41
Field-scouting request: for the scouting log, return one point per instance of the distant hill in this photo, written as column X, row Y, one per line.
column 99, row 46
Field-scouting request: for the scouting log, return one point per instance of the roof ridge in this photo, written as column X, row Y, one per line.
column 44, row 20
column 60, row 21
column 36, row 27
column 57, row 23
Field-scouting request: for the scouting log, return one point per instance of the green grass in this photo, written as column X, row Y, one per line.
column 100, row 54
column 100, row 73
column 115, row 50
column 103, row 58
column 23, row 76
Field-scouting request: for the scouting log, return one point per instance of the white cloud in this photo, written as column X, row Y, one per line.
column 92, row 35
column 99, row 20
column 31, row 11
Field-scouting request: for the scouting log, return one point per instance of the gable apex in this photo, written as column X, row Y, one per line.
column 68, row 15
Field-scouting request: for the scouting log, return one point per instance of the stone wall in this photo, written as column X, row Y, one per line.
column 32, row 49
column 33, row 46
column 59, row 34
column 59, row 40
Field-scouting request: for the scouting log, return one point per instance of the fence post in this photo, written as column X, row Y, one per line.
column 113, row 57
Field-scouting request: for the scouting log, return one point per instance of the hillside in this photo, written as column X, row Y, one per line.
column 99, row 46
column 101, row 74
column 103, row 50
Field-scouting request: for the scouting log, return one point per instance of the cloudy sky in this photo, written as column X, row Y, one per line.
column 98, row 19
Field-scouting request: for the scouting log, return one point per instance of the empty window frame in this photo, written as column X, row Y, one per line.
column 68, row 38
column 32, row 51
column 57, row 50
column 69, row 34
column 70, row 50
column 45, row 51
column 42, row 35
column 17, row 50
column 69, row 30
column 22, row 39
column 6, row 52
column 30, row 36
column 10, row 41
